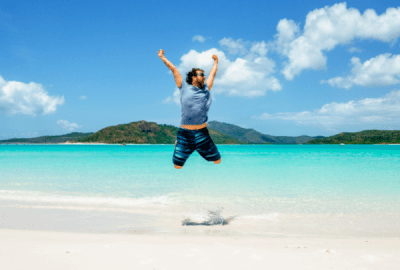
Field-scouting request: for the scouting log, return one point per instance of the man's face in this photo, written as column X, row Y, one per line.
column 200, row 77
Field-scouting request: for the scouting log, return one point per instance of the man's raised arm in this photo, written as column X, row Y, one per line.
column 177, row 76
column 210, row 79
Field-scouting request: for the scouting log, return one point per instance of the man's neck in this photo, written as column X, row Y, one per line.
column 197, row 85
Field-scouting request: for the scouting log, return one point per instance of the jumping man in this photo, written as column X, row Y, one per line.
column 195, row 102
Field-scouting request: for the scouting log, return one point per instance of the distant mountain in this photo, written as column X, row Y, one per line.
column 363, row 137
column 49, row 139
column 255, row 137
column 143, row 132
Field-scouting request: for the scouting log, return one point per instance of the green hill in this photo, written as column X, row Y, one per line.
column 254, row 137
column 49, row 139
column 363, row 137
column 143, row 132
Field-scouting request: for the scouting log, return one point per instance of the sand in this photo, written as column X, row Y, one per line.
column 151, row 237
column 26, row 249
column 52, row 237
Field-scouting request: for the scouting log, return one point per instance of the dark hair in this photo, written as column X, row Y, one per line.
column 192, row 73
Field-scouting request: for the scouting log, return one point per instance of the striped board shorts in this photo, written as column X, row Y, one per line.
column 190, row 140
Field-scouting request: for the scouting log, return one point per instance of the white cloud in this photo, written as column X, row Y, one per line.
column 198, row 38
column 67, row 125
column 287, row 32
column 328, row 27
column 233, row 47
column 260, row 48
column 354, row 49
column 249, row 76
column 22, row 98
column 382, row 70
column 83, row 97
column 367, row 111
column 175, row 99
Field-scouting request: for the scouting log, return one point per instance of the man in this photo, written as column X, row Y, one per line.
column 195, row 102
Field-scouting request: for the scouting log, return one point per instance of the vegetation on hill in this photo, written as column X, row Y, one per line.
column 254, row 137
column 221, row 138
column 49, row 139
column 363, row 137
column 143, row 132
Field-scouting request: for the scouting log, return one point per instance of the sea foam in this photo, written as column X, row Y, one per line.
column 43, row 197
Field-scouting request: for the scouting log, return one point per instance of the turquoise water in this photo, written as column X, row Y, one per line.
column 253, row 179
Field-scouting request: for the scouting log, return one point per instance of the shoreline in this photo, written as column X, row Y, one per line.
column 171, row 219
column 123, row 144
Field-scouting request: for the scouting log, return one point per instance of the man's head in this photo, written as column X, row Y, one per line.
column 196, row 77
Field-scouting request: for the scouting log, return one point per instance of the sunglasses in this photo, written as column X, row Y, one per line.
column 200, row 74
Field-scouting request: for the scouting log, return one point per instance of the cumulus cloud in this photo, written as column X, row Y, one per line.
column 233, row 46
column 67, row 125
column 249, row 76
column 83, row 97
column 260, row 48
column 382, row 70
column 198, row 38
column 287, row 31
column 370, row 110
column 326, row 28
column 30, row 99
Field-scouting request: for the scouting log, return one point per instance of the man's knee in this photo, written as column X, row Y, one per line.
column 177, row 167
column 217, row 161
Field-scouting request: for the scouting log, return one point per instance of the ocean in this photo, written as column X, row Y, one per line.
column 329, row 190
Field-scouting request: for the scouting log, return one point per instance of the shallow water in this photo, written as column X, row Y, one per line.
column 253, row 183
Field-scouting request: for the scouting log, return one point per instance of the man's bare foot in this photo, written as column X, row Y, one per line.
column 177, row 167
column 217, row 161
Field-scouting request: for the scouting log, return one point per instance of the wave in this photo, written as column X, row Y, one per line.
column 43, row 197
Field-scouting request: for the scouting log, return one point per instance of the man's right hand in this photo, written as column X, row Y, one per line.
column 177, row 76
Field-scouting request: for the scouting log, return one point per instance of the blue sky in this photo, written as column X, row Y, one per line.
column 286, row 68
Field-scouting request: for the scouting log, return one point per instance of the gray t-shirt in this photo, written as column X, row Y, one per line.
column 195, row 103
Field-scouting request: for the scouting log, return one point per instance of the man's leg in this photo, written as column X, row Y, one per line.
column 176, row 166
column 206, row 147
column 183, row 149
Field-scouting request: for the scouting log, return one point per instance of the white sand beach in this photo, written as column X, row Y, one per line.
column 57, row 238
column 25, row 249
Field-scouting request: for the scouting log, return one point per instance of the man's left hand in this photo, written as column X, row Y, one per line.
column 215, row 57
